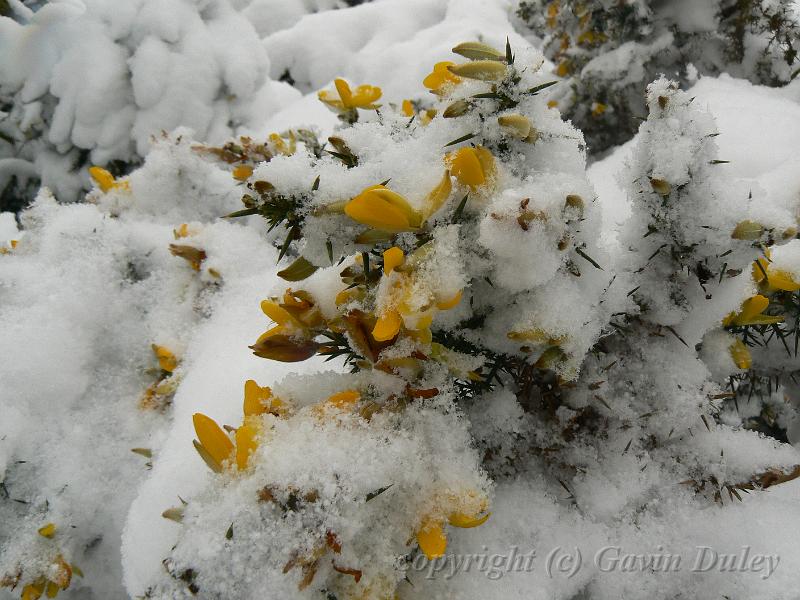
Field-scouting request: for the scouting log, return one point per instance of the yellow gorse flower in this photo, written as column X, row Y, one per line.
column 242, row 172
column 12, row 244
column 751, row 313
column 287, row 148
column 431, row 535
column 57, row 576
column 340, row 402
column 381, row 208
column 598, row 108
column 48, row 530
column 292, row 338
column 213, row 444
column 364, row 96
column 105, row 180
column 441, row 80
column 294, row 316
column 166, row 359
column 741, row 354
column 775, row 279
column 216, row 448
column 472, row 167
column 260, row 400
column 402, row 287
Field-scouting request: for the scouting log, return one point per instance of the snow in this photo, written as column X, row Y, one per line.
column 623, row 440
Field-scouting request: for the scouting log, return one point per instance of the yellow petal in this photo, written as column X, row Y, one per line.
column 487, row 161
column 741, row 354
column 408, row 108
column 381, row 208
column 450, row 303
column 438, row 195
column 466, row 167
column 103, row 179
column 392, row 258
column 422, row 335
column 277, row 313
column 326, row 97
column 365, row 96
column 48, row 530
column 246, row 444
column 441, row 77
column 388, row 326
column 166, row 359
column 345, row 94
column 256, row 398
column 52, row 590
column 781, row 280
column 465, row 521
column 428, row 116
column 32, row 591
column 277, row 330
column 210, row 461
column 398, row 202
column 62, row 575
column 752, row 307
column 432, row 539
column 280, row 146
column 345, row 399
column 242, row 172
column 212, row 438
column 346, row 296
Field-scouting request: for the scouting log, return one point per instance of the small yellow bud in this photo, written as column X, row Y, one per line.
column 478, row 51
column 515, row 125
column 748, row 230
column 661, row 186
column 456, row 109
column 242, row 172
column 482, row 70
column 741, row 355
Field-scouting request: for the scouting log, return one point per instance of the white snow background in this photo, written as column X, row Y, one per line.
column 84, row 295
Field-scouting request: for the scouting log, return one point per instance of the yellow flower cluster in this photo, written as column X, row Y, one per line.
column 382, row 316
column 57, row 577
column 215, row 446
column 157, row 395
column 770, row 280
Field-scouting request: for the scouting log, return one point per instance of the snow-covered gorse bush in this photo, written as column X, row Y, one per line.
column 505, row 370
column 435, row 248
column 434, row 244
column 608, row 51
